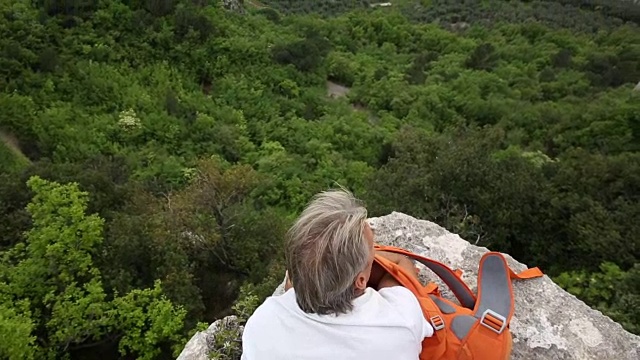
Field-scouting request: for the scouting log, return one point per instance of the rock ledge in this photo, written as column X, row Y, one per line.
column 549, row 323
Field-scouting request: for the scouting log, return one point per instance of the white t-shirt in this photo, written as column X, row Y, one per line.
column 385, row 324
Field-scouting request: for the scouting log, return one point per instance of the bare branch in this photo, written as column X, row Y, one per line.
column 168, row 198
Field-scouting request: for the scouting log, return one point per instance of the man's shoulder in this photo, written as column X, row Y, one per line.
column 408, row 307
column 394, row 302
column 398, row 294
column 272, row 306
column 268, row 326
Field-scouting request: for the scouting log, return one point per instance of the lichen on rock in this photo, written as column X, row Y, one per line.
column 549, row 323
column 220, row 338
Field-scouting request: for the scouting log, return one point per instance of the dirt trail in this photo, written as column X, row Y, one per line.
column 12, row 144
column 256, row 4
column 335, row 90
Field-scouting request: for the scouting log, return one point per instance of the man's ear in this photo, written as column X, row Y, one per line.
column 287, row 285
column 361, row 281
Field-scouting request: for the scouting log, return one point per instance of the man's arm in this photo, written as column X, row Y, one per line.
column 403, row 298
column 387, row 279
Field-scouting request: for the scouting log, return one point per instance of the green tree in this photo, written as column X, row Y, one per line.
column 467, row 181
column 610, row 290
column 16, row 328
column 53, row 276
column 202, row 240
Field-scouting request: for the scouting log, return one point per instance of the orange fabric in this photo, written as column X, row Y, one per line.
column 431, row 288
column 480, row 343
column 526, row 274
column 411, row 255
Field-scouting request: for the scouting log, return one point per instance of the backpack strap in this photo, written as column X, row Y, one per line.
column 526, row 274
column 462, row 292
column 430, row 311
column 495, row 305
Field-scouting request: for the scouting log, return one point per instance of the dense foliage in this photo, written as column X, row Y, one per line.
column 152, row 153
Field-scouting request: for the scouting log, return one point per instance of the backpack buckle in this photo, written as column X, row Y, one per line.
column 437, row 322
column 493, row 321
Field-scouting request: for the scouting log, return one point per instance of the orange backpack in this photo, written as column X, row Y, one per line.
column 478, row 327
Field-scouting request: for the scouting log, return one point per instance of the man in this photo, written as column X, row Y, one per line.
column 328, row 311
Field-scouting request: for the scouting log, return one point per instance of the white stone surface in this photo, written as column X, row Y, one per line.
column 549, row 323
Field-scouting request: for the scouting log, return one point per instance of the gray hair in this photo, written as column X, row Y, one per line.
column 325, row 250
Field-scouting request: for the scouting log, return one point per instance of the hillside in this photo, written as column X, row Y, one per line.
column 578, row 15
column 165, row 146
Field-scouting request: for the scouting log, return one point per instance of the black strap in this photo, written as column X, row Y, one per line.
column 462, row 292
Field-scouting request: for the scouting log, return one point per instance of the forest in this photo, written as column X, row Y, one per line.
column 154, row 152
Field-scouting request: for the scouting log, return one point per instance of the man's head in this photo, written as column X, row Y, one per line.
column 329, row 253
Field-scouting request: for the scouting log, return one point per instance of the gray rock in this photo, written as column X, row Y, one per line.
column 202, row 343
column 637, row 88
column 549, row 323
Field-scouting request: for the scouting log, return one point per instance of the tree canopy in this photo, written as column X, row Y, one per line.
column 153, row 153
